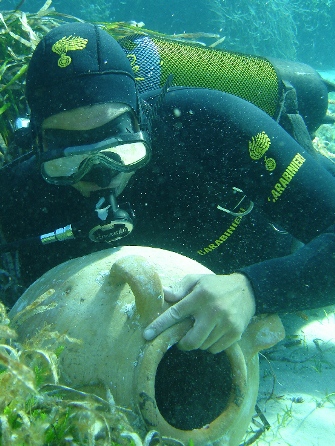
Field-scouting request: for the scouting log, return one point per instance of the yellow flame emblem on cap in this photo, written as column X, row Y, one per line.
column 65, row 44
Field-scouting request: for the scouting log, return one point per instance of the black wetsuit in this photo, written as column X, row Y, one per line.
column 208, row 146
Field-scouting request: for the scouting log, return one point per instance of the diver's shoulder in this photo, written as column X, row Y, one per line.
column 26, row 162
column 20, row 171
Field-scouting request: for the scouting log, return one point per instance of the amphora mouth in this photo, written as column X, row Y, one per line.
column 192, row 388
column 193, row 395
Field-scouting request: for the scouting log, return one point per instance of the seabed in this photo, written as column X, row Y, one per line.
column 297, row 386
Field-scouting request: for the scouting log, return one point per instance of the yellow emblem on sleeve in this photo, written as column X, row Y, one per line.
column 65, row 44
column 270, row 163
column 258, row 145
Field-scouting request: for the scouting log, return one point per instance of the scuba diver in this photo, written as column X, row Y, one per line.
column 197, row 171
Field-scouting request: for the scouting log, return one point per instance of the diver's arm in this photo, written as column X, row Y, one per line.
column 300, row 281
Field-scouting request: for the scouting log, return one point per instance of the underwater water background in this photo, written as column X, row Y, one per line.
column 302, row 30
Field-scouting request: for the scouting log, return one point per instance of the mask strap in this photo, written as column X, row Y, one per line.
column 151, row 112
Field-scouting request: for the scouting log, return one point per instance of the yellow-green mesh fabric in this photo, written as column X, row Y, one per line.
column 249, row 77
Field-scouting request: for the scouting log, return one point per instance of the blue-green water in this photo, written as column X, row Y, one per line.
column 302, row 30
column 301, row 407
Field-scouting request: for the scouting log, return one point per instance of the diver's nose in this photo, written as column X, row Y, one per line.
column 100, row 175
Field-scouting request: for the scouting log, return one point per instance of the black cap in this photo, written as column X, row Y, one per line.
column 76, row 65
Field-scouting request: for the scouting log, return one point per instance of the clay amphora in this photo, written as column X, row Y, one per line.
column 105, row 300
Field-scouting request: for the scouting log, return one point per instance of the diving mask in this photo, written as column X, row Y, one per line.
column 69, row 155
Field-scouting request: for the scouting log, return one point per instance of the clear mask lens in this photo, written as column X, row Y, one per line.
column 62, row 167
column 124, row 158
column 128, row 154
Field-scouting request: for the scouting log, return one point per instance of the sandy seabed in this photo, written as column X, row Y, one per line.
column 297, row 383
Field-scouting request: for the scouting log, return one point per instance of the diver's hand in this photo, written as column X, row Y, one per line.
column 221, row 307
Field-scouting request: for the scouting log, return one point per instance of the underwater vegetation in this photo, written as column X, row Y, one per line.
column 36, row 410
column 19, row 35
column 291, row 29
column 324, row 140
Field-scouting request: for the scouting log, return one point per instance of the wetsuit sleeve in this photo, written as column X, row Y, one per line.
column 299, row 196
column 295, row 192
column 302, row 280
column 248, row 150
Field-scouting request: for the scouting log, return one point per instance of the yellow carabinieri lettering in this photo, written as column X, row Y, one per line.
column 287, row 176
column 223, row 237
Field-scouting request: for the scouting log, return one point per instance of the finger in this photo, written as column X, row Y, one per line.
column 169, row 295
column 196, row 336
column 216, row 334
column 223, row 343
column 170, row 317
column 181, row 289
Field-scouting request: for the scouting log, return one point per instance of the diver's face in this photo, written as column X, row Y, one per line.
column 84, row 119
